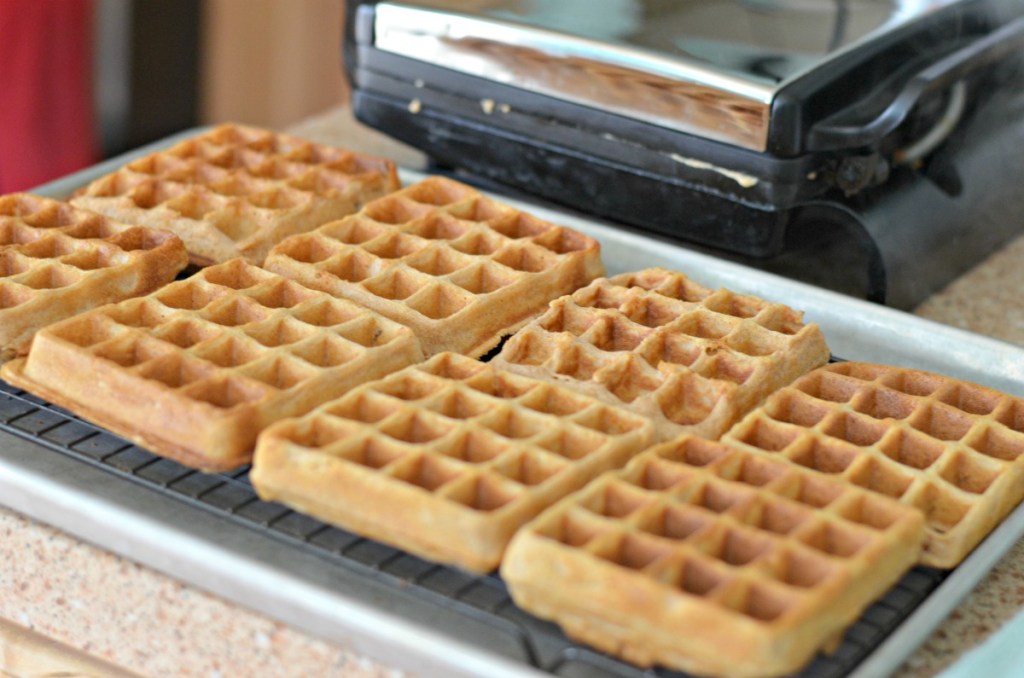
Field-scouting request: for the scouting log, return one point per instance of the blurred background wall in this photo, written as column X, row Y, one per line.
column 270, row 62
column 87, row 79
column 164, row 65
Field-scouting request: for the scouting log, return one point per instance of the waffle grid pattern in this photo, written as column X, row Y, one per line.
column 723, row 562
column 222, row 354
column 56, row 260
column 692, row 359
column 459, row 268
column 452, row 446
column 237, row 191
column 948, row 448
column 460, row 605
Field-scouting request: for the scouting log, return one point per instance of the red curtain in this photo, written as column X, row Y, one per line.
column 46, row 116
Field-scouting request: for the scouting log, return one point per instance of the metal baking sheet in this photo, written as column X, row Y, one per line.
column 211, row 531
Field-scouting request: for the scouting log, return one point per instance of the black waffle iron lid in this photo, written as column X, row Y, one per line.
column 717, row 122
column 778, row 76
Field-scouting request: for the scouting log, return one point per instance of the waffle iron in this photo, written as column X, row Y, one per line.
column 867, row 146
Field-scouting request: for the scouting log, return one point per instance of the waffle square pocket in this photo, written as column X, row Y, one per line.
column 446, row 459
column 237, row 191
column 56, row 261
column 692, row 359
column 460, row 269
column 702, row 557
column 195, row 370
column 951, row 449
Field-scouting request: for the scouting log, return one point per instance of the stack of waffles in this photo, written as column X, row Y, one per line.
column 56, row 261
column 458, row 268
column 446, row 459
column 237, row 191
column 747, row 555
column 195, row 370
column 667, row 471
column 691, row 359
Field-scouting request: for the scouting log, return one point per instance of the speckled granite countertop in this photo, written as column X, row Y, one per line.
column 97, row 605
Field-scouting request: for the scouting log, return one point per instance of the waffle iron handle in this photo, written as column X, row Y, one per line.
column 838, row 132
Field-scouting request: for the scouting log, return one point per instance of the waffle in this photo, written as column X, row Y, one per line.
column 195, row 370
column 692, row 359
column 458, row 268
column 702, row 557
column 237, row 191
column 445, row 459
column 56, row 261
column 951, row 449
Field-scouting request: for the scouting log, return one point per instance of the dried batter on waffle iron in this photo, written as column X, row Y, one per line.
column 460, row 269
column 445, row 459
column 195, row 370
column 56, row 261
column 703, row 557
column 692, row 359
column 238, row 191
column 949, row 448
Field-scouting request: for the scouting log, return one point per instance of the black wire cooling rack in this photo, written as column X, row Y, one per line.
column 473, row 608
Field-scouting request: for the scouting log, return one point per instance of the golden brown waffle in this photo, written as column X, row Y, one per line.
column 692, row 359
column 238, row 191
column 458, row 268
column 445, row 459
column 56, row 261
column 702, row 557
column 195, row 370
column 951, row 449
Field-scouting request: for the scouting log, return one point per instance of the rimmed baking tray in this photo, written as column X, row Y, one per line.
column 211, row 531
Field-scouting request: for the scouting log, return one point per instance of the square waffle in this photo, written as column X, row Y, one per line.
column 692, row 359
column 702, row 557
column 445, row 459
column 195, row 370
column 56, row 261
column 458, row 268
column 951, row 449
column 238, row 191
